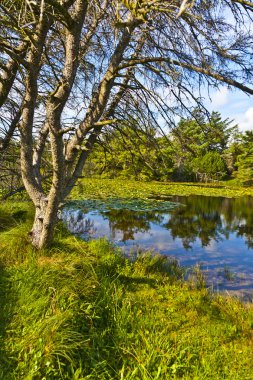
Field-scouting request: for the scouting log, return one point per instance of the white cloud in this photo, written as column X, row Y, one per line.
column 234, row 105
column 220, row 97
column 245, row 120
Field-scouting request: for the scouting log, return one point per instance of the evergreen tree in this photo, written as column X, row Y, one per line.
column 209, row 167
column 245, row 159
column 200, row 144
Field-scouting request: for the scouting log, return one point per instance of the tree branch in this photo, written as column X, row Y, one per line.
column 200, row 70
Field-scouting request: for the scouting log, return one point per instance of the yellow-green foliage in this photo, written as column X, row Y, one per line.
column 83, row 311
column 94, row 187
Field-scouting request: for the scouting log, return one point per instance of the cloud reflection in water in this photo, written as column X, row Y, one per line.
column 216, row 232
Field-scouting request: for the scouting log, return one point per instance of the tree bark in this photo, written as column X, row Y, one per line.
column 47, row 209
column 45, row 219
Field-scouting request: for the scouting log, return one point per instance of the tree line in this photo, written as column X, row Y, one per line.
column 200, row 148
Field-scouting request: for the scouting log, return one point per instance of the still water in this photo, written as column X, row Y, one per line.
column 215, row 233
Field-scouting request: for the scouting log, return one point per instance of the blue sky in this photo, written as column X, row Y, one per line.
column 232, row 104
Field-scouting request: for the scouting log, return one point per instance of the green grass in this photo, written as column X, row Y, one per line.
column 83, row 311
column 104, row 188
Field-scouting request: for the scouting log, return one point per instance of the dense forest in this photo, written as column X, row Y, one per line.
column 199, row 149
column 202, row 148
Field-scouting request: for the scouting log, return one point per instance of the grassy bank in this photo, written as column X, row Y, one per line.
column 83, row 311
column 94, row 187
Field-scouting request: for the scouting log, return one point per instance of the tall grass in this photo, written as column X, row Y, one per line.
column 83, row 311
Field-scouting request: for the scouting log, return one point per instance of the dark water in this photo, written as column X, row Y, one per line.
column 216, row 233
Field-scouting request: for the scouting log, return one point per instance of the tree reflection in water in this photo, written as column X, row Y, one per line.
column 211, row 218
column 205, row 218
column 77, row 222
column 217, row 232
column 200, row 218
column 130, row 223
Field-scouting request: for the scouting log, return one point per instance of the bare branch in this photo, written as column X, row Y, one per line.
column 201, row 70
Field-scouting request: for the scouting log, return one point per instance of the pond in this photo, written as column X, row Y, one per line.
column 213, row 232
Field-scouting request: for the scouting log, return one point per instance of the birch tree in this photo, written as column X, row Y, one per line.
column 71, row 69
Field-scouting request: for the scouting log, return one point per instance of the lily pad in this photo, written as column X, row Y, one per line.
column 105, row 205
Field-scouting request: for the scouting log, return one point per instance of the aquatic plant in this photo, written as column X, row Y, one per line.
column 113, row 203
column 90, row 188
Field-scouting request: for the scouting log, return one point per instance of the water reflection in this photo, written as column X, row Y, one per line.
column 211, row 218
column 130, row 223
column 215, row 232
column 78, row 223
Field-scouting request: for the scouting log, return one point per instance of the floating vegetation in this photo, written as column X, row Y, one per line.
column 103, row 188
column 105, row 205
